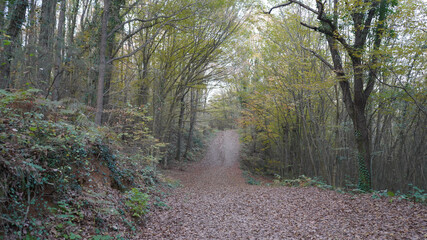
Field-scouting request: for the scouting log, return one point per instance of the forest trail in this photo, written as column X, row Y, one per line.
column 216, row 203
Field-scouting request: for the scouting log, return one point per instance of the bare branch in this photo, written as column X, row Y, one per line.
column 316, row 29
column 136, row 20
column 334, row 35
column 422, row 109
column 289, row 3
column 278, row 6
column 319, row 57
column 136, row 50
column 129, row 8
column 146, row 20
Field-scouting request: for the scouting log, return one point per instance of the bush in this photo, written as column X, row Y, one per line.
column 302, row 181
column 45, row 155
column 250, row 180
column 52, row 155
column 138, row 203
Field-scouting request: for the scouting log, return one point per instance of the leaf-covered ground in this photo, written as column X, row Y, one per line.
column 216, row 203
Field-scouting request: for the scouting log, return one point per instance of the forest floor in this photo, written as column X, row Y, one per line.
column 216, row 203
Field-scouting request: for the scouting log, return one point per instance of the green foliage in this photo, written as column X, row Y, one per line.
column 72, row 236
column 302, row 181
column 149, row 175
column 160, row 203
column 364, row 176
column 138, row 202
column 224, row 110
column 102, row 237
column 415, row 195
column 249, row 179
column 47, row 148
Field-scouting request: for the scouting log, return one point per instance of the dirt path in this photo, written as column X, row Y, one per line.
column 216, row 203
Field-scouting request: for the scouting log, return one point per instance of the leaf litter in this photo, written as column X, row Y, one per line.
column 216, row 203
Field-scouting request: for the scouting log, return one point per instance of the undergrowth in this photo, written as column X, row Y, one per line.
column 250, row 180
column 56, row 164
column 415, row 195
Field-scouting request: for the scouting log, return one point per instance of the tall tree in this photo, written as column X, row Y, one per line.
column 45, row 44
column 102, row 64
column 114, row 20
column 59, row 51
column 364, row 57
column 14, row 28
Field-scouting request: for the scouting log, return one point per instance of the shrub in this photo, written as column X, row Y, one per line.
column 138, row 202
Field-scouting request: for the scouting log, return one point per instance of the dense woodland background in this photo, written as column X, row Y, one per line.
column 291, row 92
column 327, row 89
column 156, row 57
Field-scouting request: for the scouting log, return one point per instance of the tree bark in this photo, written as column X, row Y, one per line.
column 193, row 116
column 180, row 128
column 13, row 30
column 113, row 21
column 57, row 76
column 2, row 9
column 72, row 22
column 102, row 64
column 45, row 46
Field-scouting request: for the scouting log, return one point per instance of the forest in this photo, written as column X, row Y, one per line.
column 100, row 99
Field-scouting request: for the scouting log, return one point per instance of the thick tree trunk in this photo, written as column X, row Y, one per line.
column 360, row 124
column 45, row 46
column 363, row 143
column 102, row 64
column 13, row 30
column 356, row 111
column 113, row 21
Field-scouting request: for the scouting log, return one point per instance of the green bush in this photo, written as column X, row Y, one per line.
column 43, row 151
column 415, row 194
column 250, row 180
column 302, row 181
column 138, row 202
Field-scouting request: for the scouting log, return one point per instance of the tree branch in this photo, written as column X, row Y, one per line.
column 136, row 50
column 289, row 3
column 319, row 57
column 278, row 6
column 406, row 91
column 145, row 20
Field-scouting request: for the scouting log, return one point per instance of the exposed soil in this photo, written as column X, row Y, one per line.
column 216, row 203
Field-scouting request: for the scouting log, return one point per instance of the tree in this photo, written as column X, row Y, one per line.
column 14, row 28
column 367, row 19
column 102, row 64
column 45, row 45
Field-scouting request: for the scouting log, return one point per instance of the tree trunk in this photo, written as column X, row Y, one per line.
column 13, row 30
column 30, row 51
column 356, row 111
column 180, row 128
column 113, row 21
column 72, row 22
column 193, row 116
column 45, row 46
column 102, row 64
column 362, row 137
column 2, row 9
column 142, row 98
column 59, row 53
